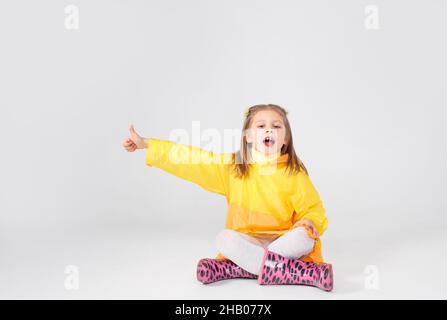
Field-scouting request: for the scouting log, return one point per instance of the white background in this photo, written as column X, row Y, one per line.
column 367, row 109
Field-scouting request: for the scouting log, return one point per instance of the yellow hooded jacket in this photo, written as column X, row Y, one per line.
column 267, row 203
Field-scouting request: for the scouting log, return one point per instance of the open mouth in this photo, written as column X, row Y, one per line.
column 268, row 141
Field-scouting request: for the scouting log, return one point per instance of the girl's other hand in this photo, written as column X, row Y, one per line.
column 135, row 141
column 307, row 223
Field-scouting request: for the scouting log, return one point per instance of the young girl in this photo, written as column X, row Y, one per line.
column 275, row 215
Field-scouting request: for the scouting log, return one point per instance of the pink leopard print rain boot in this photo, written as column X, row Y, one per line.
column 276, row 269
column 212, row 270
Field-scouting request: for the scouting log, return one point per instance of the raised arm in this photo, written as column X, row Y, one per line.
column 205, row 168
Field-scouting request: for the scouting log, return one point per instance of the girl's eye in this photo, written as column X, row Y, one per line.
column 262, row 126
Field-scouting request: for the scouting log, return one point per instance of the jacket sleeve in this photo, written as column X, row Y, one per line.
column 307, row 203
column 205, row 168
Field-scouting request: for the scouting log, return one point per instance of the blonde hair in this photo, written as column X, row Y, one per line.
column 242, row 165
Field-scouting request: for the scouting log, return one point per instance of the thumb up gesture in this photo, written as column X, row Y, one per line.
column 135, row 141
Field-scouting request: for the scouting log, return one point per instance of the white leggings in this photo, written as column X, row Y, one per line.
column 247, row 251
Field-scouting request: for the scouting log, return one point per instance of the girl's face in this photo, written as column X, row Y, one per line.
column 267, row 132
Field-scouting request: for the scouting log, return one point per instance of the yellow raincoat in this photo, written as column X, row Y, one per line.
column 266, row 204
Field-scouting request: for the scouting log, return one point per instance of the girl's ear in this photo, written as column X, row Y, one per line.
column 248, row 136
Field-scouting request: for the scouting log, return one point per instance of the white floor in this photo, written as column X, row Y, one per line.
column 129, row 262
